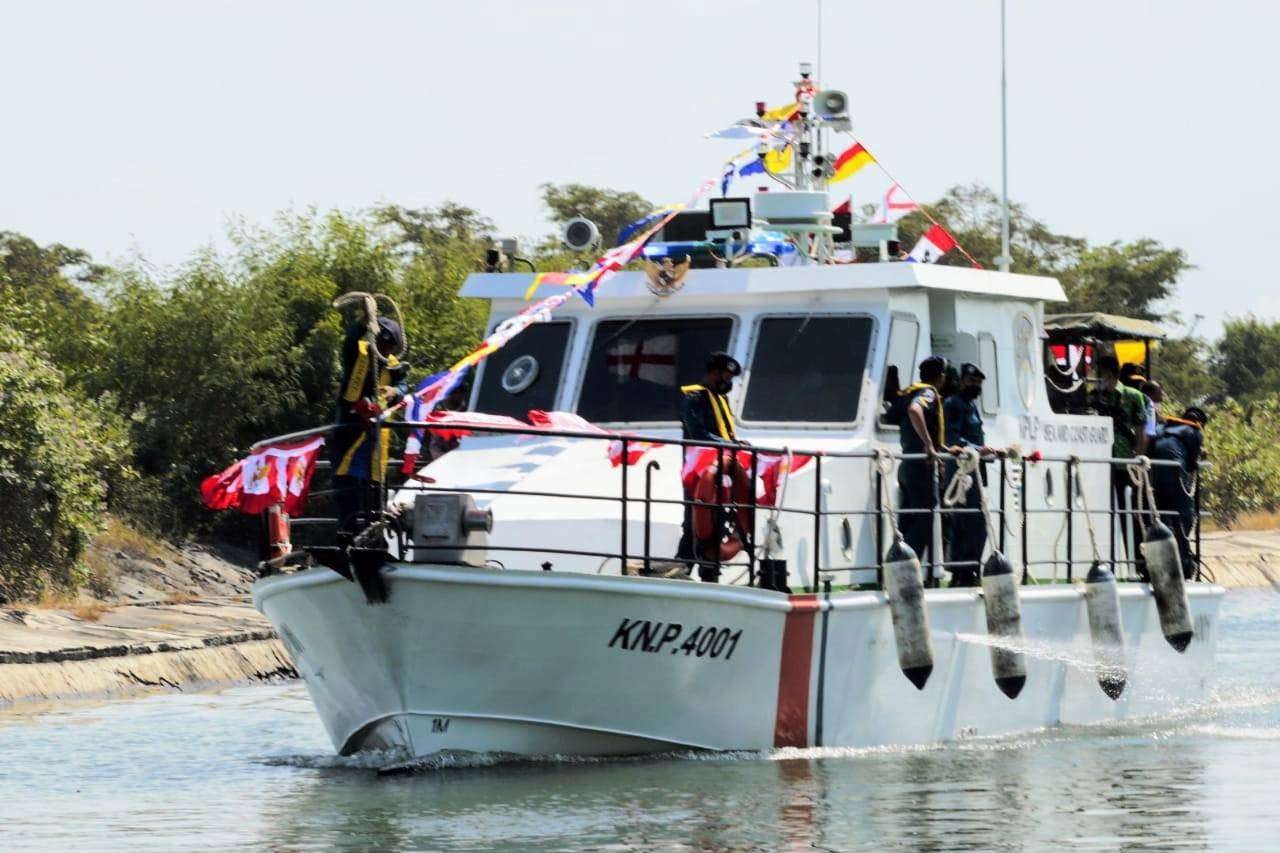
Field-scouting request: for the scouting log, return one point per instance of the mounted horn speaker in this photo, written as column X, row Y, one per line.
column 832, row 106
column 831, row 103
column 580, row 234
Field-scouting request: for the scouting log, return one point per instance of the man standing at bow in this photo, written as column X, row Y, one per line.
column 705, row 416
column 372, row 379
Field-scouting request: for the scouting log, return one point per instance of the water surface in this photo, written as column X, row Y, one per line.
column 251, row 768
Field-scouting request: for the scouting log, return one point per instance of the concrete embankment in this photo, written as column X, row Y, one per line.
column 55, row 654
column 1242, row 558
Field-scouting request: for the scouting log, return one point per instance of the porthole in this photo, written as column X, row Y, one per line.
column 520, row 374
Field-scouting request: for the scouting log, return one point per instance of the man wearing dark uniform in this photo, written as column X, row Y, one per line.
column 922, row 432
column 705, row 416
column 964, row 428
column 372, row 377
column 1182, row 441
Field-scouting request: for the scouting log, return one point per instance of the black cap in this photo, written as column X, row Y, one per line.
column 390, row 334
column 934, row 365
column 724, row 361
column 970, row 369
column 1195, row 413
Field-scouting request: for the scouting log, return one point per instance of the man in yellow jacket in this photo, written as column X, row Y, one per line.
column 372, row 379
column 705, row 416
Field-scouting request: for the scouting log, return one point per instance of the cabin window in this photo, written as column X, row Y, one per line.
column 525, row 373
column 635, row 367
column 808, row 369
column 991, row 369
column 900, row 360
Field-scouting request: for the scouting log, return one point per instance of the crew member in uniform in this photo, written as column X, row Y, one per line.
column 372, row 378
column 964, row 428
column 1127, row 408
column 705, row 416
column 1182, row 441
column 923, row 431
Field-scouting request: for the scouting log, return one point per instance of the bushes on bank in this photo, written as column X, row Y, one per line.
column 61, row 457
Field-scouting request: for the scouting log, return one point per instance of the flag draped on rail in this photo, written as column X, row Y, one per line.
column 277, row 474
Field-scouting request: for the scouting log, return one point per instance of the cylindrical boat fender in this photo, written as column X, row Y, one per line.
column 1004, row 620
column 1164, row 566
column 905, row 591
column 1102, row 601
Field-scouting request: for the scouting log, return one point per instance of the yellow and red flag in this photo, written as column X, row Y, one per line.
column 851, row 161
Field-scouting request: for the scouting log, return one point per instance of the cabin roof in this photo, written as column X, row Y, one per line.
column 1102, row 327
column 781, row 280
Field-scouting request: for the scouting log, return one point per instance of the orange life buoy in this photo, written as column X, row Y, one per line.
column 712, row 487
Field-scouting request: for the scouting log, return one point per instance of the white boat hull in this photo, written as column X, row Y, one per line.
column 549, row 662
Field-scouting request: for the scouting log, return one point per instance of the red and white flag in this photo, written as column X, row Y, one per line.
column 277, row 474
column 892, row 209
column 935, row 243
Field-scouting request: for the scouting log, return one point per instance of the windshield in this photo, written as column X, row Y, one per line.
column 808, row 369
column 636, row 367
column 525, row 373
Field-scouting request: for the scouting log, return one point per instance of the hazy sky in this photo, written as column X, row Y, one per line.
column 146, row 126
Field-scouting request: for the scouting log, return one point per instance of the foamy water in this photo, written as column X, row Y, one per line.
column 250, row 768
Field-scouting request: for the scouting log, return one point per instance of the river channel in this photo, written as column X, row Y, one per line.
column 250, row 768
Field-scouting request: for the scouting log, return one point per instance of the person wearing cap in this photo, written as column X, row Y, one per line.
column 372, row 378
column 922, row 432
column 1131, row 377
column 1181, row 441
column 1127, row 408
column 705, row 416
column 964, row 428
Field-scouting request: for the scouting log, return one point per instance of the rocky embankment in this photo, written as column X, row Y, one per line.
column 168, row 618
column 1242, row 558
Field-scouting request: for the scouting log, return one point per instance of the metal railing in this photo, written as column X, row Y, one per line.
column 1001, row 514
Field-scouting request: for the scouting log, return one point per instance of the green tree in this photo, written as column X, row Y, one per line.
column 611, row 210
column 60, row 457
column 233, row 349
column 1182, row 366
column 43, row 296
column 1132, row 279
column 1245, row 474
column 1246, row 360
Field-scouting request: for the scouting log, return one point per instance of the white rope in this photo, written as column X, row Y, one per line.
column 1074, row 467
column 1140, row 476
column 884, row 465
column 967, row 464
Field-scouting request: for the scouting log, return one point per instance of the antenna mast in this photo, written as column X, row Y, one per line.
column 1004, row 260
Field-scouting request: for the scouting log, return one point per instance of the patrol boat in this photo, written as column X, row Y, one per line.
column 518, row 594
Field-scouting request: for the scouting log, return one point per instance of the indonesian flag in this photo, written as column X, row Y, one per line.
column 277, row 474
column 935, row 243
column 646, row 359
column 1069, row 357
column 892, row 209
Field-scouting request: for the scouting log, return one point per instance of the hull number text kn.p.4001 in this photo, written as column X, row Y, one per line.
column 643, row 635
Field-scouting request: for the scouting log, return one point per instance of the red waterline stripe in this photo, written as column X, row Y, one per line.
column 791, row 725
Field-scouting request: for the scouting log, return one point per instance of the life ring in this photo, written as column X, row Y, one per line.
column 709, row 522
